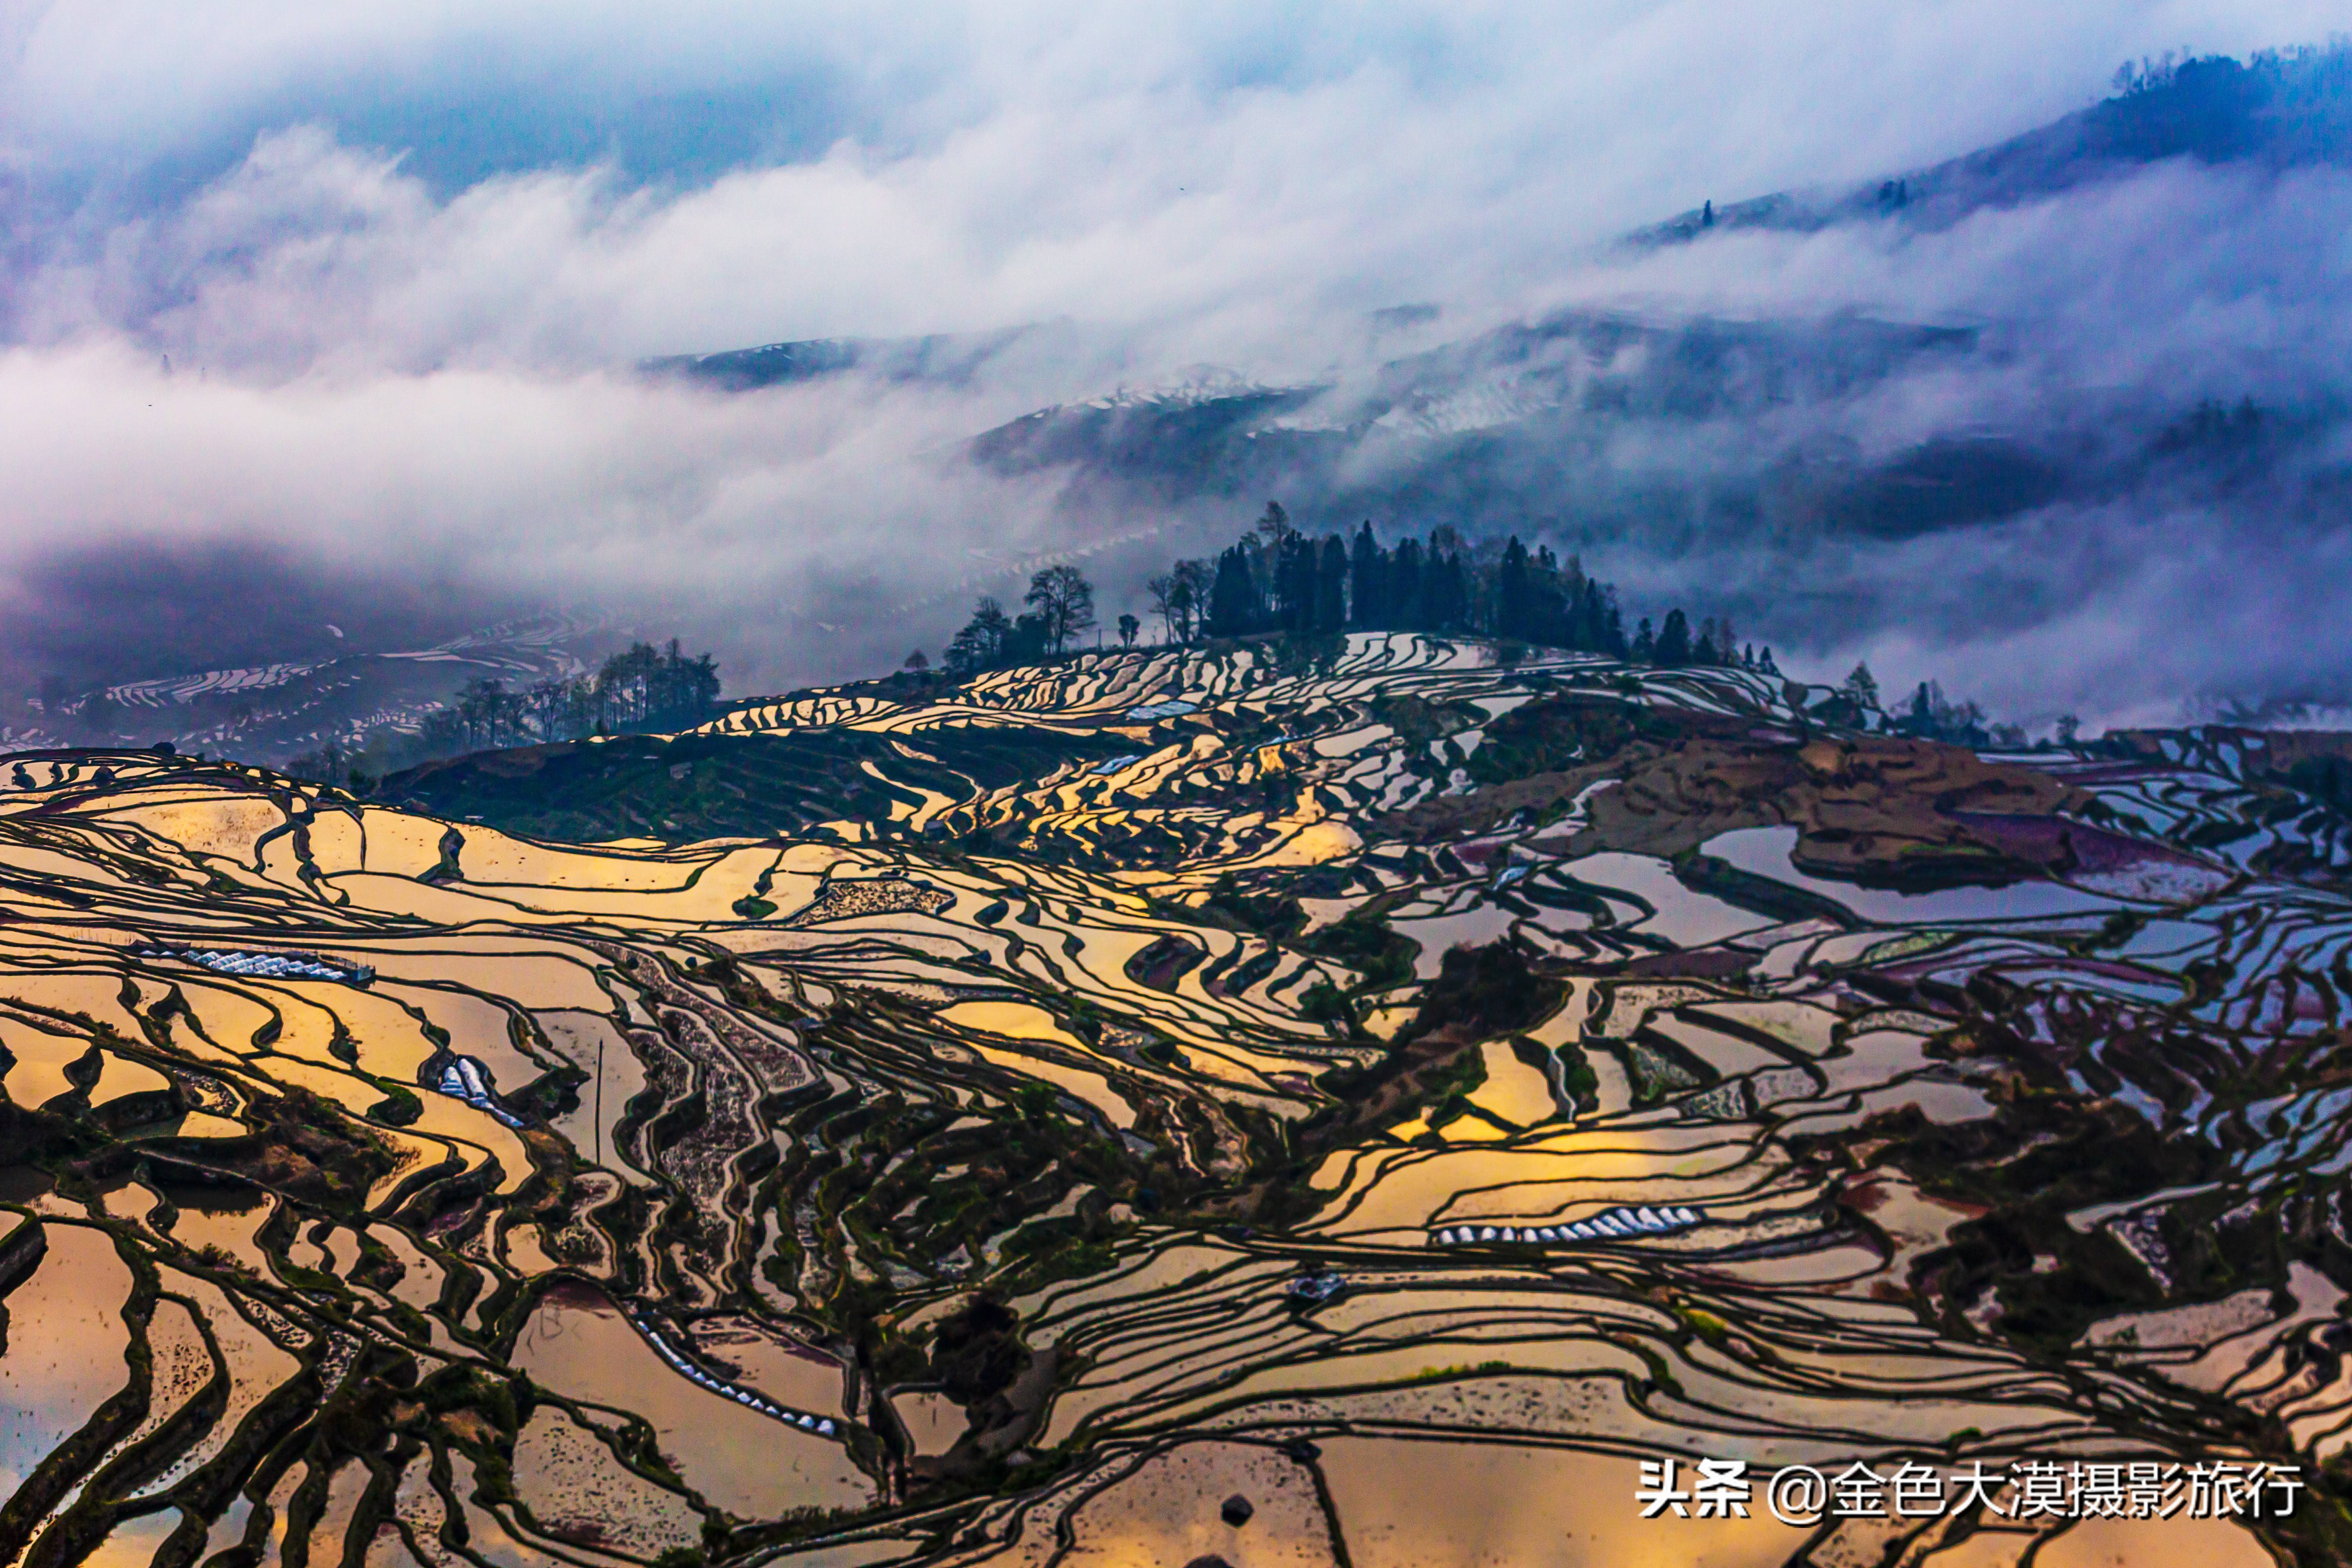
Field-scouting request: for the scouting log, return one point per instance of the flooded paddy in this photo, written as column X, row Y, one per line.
column 65, row 1346
column 256, row 1364
column 1166, row 1509
column 580, row 1492
column 475, row 1027
column 1090, row 1087
column 40, row 1060
column 1298, row 1232
column 934, row 1422
column 225, row 1220
column 134, row 1543
column 1765, row 852
column 590, row 1042
column 580, row 1345
column 754, row 1355
column 1417, row 1504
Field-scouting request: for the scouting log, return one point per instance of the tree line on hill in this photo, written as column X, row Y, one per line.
column 1277, row 579
column 1061, row 609
column 1927, row 714
column 646, row 688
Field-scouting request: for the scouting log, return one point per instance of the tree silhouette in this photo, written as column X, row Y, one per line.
column 1674, row 649
column 1194, row 578
column 1294, row 583
column 980, row 645
column 1235, row 609
column 1064, row 604
column 1405, row 607
column 1332, row 585
column 1164, row 590
column 1368, row 569
column 1515, row 595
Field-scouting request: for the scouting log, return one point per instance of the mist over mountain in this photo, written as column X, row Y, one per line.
column 1810, row 466
column 2010, row 417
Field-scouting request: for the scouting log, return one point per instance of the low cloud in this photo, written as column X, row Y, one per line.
column 383, row 371
column 738, row 518
column 2103, row 320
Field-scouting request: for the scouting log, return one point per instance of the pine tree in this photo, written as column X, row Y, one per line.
column 1406, row 609
column 1448, row 593
column 1646, row 643
column 1558, row 596
column 1294, row 584
column 1235, row 607
column 1332, row 585
column 1595, row 620
column 1674, row 649
column 1368, row 599
column 1514, row 598
column 1026, row 643
column 1717, row 642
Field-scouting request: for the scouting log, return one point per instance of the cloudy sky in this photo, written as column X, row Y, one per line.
column 399, row 261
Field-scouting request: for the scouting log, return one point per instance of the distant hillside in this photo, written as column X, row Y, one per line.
column 1565, row 425
column 2279, row 108
column 1508, row 431
column 269, row 713
column 1676, row 437
column 950, row 358
column 686, row 788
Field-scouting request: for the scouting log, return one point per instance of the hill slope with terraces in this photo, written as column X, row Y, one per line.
column 923, row 1121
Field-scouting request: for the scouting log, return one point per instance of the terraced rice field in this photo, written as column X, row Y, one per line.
column 1402, row 1090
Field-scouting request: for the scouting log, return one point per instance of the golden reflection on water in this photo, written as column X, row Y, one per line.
column 65, row 1346
column 578, row 1344
column 1771, row 1313
column 1419, row 1504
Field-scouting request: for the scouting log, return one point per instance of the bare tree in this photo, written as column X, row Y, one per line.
column 1192, row 579
column 1065, row 605
column 1162, row 590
